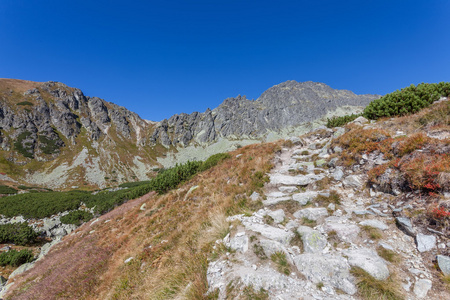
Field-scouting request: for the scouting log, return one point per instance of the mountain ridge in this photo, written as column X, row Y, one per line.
column 59, row 136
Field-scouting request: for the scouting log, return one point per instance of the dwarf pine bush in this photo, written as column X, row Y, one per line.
column 407, row 101
column 16, row 258
column 17, row 233
column 341, row 121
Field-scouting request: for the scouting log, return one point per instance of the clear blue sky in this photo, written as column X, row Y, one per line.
column 158, row 58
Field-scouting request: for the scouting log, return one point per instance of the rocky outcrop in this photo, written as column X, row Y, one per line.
column 285, row 105
column 44, row 116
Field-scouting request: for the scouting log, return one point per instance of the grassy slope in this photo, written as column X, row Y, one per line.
column 170, row 240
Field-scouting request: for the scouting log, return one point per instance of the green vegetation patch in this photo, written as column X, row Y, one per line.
column 341, row 121
column 17, row 233
column 133, row 184
column 24, row 148
column 47, row 145
column 16, row 258
column 372, row 289
column 4, row 189
column 41, row 205
column 279, row 258
column 76, row 217
column 407, row 101
column 25, row 103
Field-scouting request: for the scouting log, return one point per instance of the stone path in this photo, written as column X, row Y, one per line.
column 320, row 238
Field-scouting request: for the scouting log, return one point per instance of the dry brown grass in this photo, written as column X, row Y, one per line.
column 170, row 241
column 17, row 84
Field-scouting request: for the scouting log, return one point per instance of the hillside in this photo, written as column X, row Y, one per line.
column 354, row 212
column 54, row 136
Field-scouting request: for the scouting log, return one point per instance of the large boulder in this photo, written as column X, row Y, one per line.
column 328, row 269
column 369, row 261
column 313, row 240
column 311, row 213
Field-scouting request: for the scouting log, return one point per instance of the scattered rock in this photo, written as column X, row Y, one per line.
column 271, row 247
column 345, row 232
column 295, row 140
column 386, row 246
column 319, row 163
column 338, row 174
column 353, row 181
column 239, row 242
column 128, row 260
column 328, row 269
column 425, row 242
column 374, row 223
column 302, row 180
column 304, row 198
column 421, row 288
column 287, row 189
column 312, row 214
column 313, row 240
column 270, row 232
column 405, row 225
column 360, row 121
column 369, row 261
column 21, row 269
column 444, row 264
column 332, row 162
column 277, row 215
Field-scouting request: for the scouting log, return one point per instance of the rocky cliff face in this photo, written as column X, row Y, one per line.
column 85, row 139
column 41, row 119
column 285, row 105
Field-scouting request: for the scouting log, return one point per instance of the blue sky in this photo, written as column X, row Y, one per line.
column 158, row 58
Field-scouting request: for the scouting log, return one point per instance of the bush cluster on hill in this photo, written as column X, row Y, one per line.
column 17, row 233
column 341, row 121
column 41, row 205
column 4, row 189
column 76, row 217
column 406, row 101
column 16, row 258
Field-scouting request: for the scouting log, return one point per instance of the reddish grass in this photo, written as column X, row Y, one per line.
column 170, row 241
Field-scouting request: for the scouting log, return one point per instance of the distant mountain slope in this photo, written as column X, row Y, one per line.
column 287, row 104
column 54, row 135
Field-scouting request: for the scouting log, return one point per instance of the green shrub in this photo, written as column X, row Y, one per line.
column 47, row 145
column 76, row 217
column 24, row 148
column 17, row 233
column 214, row 160
column 4, row 189
column 406, row 101
column 41, row 205
column 16, row 258
column 341, row 121
column 23, row 103
column 134, row 184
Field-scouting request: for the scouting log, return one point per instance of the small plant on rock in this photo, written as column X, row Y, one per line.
column 389, row 255
column 371, row 289
column 374, row 233
column 279, row 258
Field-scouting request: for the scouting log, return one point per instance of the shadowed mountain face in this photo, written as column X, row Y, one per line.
column 53, row 134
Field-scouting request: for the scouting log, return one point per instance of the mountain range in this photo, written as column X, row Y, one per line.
column 55, row 136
